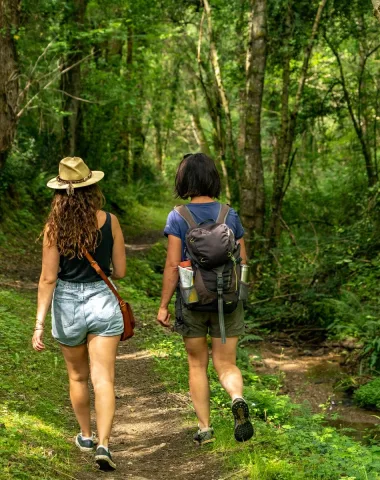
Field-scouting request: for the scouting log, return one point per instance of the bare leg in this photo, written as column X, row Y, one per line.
column 224, row 360
column 197, row 352
column 102, row 352
column 76, row 359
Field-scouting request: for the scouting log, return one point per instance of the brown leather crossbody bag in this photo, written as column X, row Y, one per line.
column 126, row 310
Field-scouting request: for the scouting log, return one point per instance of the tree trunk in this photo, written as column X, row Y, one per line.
column 196, row 124
column 158, row 143
column 213, row 106
column 9, row 87
column 376, row 8
column 283, row 155
column 126, row 133
column 357, row 124
column 222, row 93
column 252, row 196
column 71, row 85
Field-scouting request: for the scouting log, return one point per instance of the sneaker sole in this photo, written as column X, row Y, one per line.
column 105, row 463
column 83, row 449
column 243, row 427
column 210, row 440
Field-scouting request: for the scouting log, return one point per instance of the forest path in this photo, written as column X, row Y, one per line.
column 150, row 439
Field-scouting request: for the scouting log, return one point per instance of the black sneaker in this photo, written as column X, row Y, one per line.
column 104, row 460
column 205, row 436
column 243, row 427
column 86, row 445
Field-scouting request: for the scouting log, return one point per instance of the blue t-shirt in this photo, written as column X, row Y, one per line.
column 176, row 225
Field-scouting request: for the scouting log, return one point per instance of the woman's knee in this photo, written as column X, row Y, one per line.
column 79, row 376
column 197, row 364
column 103, row 380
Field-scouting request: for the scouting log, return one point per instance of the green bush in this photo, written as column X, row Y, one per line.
column 368, row 395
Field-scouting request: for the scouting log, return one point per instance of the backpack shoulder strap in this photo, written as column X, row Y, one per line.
column 185, row 213
column 223, row 212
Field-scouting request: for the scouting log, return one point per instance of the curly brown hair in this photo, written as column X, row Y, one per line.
column 72, row 223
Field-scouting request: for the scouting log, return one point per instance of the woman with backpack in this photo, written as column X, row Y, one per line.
column 86, row 318
column 197, row 178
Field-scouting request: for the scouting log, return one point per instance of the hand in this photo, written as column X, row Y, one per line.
column 37, row 340
column 163, row 317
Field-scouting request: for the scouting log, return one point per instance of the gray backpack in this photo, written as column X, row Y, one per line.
column 215, row 259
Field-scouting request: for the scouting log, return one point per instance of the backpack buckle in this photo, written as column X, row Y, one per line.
column 219, row 282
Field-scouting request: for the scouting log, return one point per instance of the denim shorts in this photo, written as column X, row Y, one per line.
column 79, row 309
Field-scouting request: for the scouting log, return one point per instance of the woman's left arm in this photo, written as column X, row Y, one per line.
column 243, row 251
column 46, row 286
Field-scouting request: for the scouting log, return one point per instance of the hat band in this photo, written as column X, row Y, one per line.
column 61, row 180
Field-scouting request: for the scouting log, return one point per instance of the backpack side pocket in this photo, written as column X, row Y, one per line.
column 243, row 290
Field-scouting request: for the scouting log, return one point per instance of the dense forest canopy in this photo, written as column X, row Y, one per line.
column 283, row 94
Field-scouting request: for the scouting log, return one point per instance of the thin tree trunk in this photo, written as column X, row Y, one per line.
column 158, row 143
column 370, row 168
column 221, row 90
column 126, row 134
column 198, row 131
column 71, row 86
column 283, row 155
column 213, row 106
column 9, row 73
column 376, row 8
column 252, row 196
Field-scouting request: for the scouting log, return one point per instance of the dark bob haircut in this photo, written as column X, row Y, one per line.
column 197, row 176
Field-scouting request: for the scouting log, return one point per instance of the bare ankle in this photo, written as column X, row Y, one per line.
column 103, row 442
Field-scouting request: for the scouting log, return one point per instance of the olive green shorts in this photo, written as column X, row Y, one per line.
column 198, row 324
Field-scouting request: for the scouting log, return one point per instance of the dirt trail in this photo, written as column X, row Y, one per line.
column 150, row 440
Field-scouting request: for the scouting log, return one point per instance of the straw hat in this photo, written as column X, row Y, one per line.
column 74, row 173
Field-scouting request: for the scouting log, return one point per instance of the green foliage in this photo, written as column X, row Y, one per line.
column 144, row 276
column 368, row 395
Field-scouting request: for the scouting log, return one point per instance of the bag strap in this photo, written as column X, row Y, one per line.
column 223, row 212
column 94, row 264
column 185, row 213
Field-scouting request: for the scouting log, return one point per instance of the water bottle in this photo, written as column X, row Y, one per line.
column 244, row 278
column 244, row 275
column 186, row 276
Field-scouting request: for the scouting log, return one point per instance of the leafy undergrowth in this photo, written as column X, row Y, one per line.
column 35, row 416
column 291, row 443
column 368, row 395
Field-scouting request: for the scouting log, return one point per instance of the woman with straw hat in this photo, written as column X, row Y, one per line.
column 86, row 318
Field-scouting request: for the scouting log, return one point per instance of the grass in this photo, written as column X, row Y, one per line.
column 35, row 416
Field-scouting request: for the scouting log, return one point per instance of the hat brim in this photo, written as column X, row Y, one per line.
column 96, row 177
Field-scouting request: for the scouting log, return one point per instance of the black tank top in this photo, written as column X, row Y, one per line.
column 79, row 269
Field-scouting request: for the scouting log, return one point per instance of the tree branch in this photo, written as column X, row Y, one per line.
column 20, row 112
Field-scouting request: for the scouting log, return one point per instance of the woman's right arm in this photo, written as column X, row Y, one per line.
column 46, row 286
column 118, row 250
column 170, row 279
